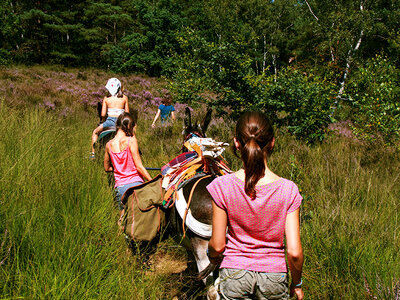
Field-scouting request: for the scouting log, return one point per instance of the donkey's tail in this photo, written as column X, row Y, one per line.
column 207, row 271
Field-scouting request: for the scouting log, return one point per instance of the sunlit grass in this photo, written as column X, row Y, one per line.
column 58, row 232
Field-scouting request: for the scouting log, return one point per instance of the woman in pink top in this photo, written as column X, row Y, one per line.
column 259, row 208
column 122, row 157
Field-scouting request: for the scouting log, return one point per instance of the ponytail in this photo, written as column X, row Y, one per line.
column 254, row 133
column 126, row 123
column 120, row 92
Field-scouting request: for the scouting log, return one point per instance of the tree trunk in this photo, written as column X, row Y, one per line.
column 349, row 59
column 255, row 56
column 350, row 55
column 115, row 32
column 219, row 40
column 264, row 54
column 330, row 46
column 274, row 64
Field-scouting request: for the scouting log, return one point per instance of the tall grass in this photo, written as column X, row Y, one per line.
column 58, row 233
column 350, row 225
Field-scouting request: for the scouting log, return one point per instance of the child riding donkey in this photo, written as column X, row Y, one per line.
column 114, row 105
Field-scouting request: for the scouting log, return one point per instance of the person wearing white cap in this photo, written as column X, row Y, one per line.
column 113, row 105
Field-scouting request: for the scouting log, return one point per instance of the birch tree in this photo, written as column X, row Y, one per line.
column 338, row 29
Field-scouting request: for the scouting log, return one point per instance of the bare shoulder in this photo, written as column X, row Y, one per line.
column 108, row 146
column 133, row 143
column 133, row 140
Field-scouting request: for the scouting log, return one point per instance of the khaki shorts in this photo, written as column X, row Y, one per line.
column 244, row 284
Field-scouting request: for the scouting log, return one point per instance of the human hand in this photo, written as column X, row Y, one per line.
column 216, row 260
column 296, row 291
column 153, row 125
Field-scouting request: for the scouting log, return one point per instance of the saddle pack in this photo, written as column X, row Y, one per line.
column 144, row 215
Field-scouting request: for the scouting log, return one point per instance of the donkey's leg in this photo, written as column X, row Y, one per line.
column 200, row 254
column 200, row 246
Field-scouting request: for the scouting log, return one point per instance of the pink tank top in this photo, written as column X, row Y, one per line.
column 124, row 167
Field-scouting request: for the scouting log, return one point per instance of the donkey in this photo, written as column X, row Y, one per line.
column 195, row 192
column 200, row 206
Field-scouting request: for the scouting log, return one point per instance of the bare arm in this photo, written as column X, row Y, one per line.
column 173, row 115
column 294, row 251
column 104, row 109
column 133, row 146
column 217, row 243
column 156, row 117
column 107, row 160
column 126, row 104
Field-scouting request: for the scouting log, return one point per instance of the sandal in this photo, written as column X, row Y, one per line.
column 92, row 155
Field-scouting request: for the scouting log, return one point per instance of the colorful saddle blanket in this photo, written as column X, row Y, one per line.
column 204, row 157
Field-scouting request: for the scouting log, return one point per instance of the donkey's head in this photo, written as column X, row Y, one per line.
column 197, row 128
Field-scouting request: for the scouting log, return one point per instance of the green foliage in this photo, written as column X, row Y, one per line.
column 219, row 74
column 149, row 46
column 132, row 36
column 299, row 101
column 374, row 93
column 5, row 57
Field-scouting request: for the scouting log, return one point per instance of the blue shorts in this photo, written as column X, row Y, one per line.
column 110, row 122
column 120, row 190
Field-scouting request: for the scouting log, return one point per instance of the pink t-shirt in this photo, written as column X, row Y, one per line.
column 256, row 227
column 124, row 167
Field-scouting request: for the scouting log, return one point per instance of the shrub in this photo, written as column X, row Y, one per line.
column 374, row 98
column 301, row 102
column 5, row 57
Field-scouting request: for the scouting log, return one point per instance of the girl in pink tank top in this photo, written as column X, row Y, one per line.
column 122, row 157
column 253, row 210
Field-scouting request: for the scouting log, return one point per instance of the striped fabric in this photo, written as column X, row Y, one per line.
column 178, row 161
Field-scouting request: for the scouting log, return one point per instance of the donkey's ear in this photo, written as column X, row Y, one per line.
column 99, row 106
column 135, row 115
column 188, row 120
column 206, row 121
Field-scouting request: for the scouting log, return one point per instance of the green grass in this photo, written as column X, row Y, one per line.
column 59, row 238
column 58, row 232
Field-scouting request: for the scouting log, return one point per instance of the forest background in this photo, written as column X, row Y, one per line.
column 297, row 60
column 316, row 67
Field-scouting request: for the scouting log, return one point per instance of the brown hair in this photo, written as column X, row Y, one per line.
column 120, row 93
column 125, row 122
column 255, row 134
column 167, row 99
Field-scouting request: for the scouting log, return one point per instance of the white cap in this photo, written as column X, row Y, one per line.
column 113, row 86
